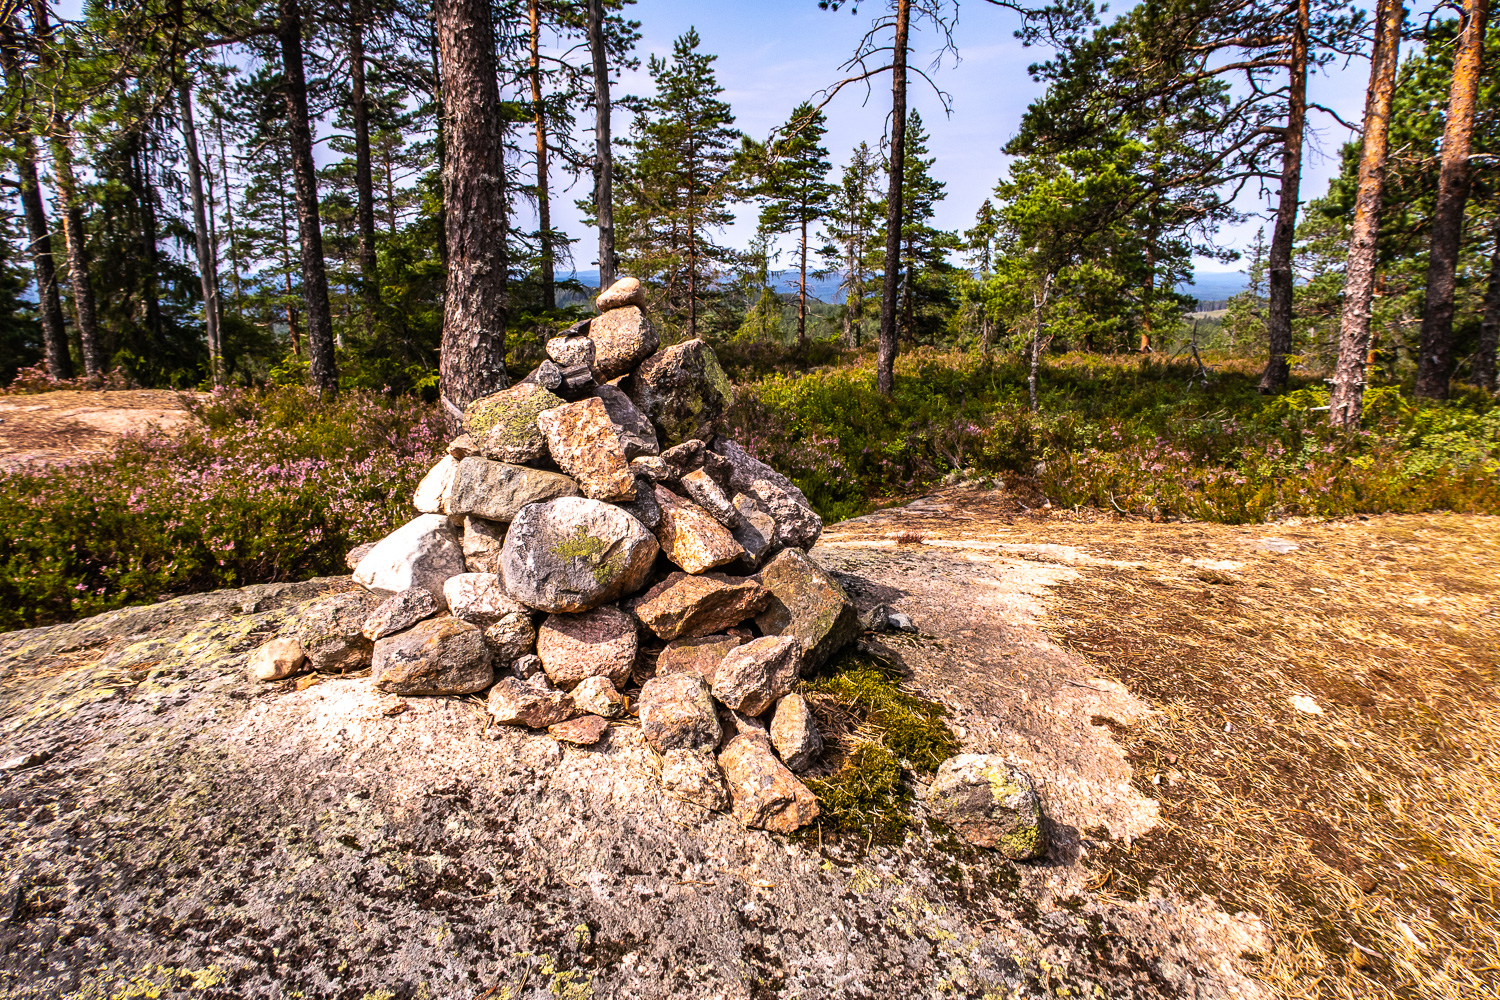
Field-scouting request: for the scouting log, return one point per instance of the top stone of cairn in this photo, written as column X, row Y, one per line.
column 625, row 292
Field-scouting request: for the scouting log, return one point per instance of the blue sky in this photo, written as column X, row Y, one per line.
column 776, row 53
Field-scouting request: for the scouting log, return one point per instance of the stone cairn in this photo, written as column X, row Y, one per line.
column 592, row 530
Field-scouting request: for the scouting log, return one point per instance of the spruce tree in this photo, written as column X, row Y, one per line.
column 796, row 192
column 675, row 190
column 855, row 242
column 925, row 272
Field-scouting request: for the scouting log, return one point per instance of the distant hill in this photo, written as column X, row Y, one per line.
column 1207, row 286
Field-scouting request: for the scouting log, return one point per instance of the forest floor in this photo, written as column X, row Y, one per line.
column 51, row 428
column 1270, row 755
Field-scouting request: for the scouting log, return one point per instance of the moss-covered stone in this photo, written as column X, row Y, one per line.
column 504, row 423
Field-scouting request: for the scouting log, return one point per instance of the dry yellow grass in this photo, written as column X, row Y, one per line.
column 1367, row 836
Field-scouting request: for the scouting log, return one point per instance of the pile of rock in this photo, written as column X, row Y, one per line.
column 590, row 531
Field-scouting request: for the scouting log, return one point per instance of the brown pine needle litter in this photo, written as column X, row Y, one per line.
column 1326, row 740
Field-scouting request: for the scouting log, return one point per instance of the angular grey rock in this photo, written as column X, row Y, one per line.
column 600, row 642
column 577, row 381
column 683, row 605
column 794, row 732
column 574, row 554
column 514, row 702
column 482, row 541
column 644, row 507
column 901, row 622
column 766, row 795
column 623, row 338
column 690, row 537
column 704, row 492
column 584, row 731
column 356, row 554
column 571, row 350
column 991, row 804
column 808, row 603
column 583, row 441
column 332, row 632
column 437, row 656
column 701, row 656
column 654, row 469
column 547, row 375
column 624, row 292
column 504, row 423
column 745, row 469
column 597, row 696
column 635, row 431
column 423, row 552
column 480, row 598
column 796, row 525
column 276, row 660
column 683, row 390
column 497, row 491
column 400, row 611
column 677, row 713
column 528, row 666
column 435, row 489
column 755, row 531
column 694, row 776
column 753, row 676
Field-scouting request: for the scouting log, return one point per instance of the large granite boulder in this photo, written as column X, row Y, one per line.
column 753, row 676
column 332, row 632
column 624, row 292
column 690, row 537
column 574, row 554
column 766, row 795
column 596, row 643
column 636, row 433
column 534, row 703
column 424, row 552
column 682, row 389
column 794, row 732
column 700, row 656
column 623, row 338
column 684, row 605
column 677, row 713
column 808, row 603
column 400, row 612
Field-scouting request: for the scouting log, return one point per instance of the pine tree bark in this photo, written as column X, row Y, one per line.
column 543, row 190
column 207, row 271
column 359, row 109
column 84, row 313
column 322, row 368
column 54, row 331
column 1279, row 308
column 1489, row 325
column 1347, row 399
column 604, row 161
column 802, row 291
column 1435, row 365
column 885, row 357
column 474, row 317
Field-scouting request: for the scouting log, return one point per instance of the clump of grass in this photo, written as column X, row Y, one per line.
column 892, row 730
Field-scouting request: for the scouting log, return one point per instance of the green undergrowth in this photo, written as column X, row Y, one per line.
column 894, row 731
column 1140, row 436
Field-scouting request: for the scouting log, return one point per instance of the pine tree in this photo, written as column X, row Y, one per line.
column 675, row 190
column 926, row 288
column 855, row 244
column 795, row 191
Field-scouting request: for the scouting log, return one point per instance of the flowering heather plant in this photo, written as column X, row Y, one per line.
column 262, row 486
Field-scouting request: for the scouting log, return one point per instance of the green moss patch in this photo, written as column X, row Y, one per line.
column 891, row 730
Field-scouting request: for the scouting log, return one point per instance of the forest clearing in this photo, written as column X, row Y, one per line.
column 633, row 499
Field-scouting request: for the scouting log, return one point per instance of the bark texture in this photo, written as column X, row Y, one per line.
column 78, row 256
column 474, row 315
column 1347, row 400
column 885, row 358
column 604, row 206
column 543, row 191
column 1279, row 265
column 322, row 369
column 359, row 107
column 1435, row 365
column 207, row 266
column 54, row 332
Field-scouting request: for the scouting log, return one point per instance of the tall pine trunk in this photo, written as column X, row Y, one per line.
column 802, row 291
column 207, row 271
column 885, row 358
column 54, row 332
column 1489, row 325
column 604, row 207
column 359, row 108
column 234, row 246
column 84, row 313
column 1279, row 308
column 474, row 315
column 1435, row 366
column 543, row 192
column 322, row 369
column 1347, row 400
